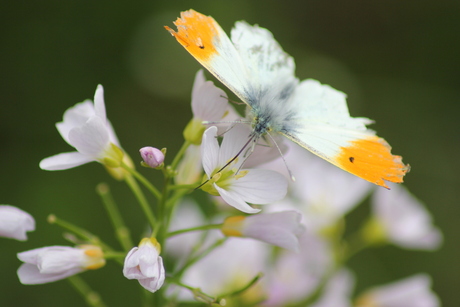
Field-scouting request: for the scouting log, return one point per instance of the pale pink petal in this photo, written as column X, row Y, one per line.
column 64, row 161
column 198, row 82
column 14, row 223
column 233, row 142
column 29, row 274
column 413, row 291
column 210, row 150
column 266, row 150
column 131, row 266
column 60, row 258
column 260, row 186
column 99, row 105
column 338, row 291
column 155, row 279
column 405, row 219
column 75, row 116
column 279, row 228
column 235, row 200
column 31, row 256
column 91, row 139
column 208, row 101
column 314, row 260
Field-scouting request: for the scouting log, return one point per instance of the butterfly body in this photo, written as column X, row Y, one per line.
column 315, row 116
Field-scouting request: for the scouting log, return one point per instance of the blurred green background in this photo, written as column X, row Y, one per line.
column 398, row 61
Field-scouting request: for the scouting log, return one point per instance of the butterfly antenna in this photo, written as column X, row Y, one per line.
column 232, row 101
column 282, row 157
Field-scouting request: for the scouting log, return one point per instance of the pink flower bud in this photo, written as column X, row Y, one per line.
column 153, row 157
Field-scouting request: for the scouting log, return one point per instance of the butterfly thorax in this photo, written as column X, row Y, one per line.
column 267, row 116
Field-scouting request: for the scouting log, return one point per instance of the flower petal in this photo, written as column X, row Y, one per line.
column 278, row 228
column 99, row 105
column 14, row 223
column 235, row 200
column 260, row 186
column 155, row 282
column 233, row 142
column 64, row 161
column 29, row 274
column 210, row 150
column 208, row 101
column 75, row 116
column 405, row 218
column 91, row 139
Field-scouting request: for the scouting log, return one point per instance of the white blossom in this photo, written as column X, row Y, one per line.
column 52, row 263
column 410, row 292
column 279, row 228
column 14, row 223
column 338, row 290
column 209, row 104
column 404, row 220
column 295, row 276
column 145, row 264
column 237, row 187
column 86, row 128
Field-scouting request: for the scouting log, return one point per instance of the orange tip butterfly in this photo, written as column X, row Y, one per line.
column 315, row 116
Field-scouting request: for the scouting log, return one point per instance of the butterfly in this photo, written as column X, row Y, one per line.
column 315, row 116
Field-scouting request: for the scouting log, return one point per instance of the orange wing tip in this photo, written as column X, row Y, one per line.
column 371, row 159
column 196, row 33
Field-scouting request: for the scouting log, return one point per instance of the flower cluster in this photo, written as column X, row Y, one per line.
column 254, row 238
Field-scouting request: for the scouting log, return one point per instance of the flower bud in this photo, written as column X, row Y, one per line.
column 14, row 223
column 145, row 264
column 152, row 156
column 52, row 263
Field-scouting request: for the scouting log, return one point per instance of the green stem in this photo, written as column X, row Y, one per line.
column 143, row 180
column 142, row 201
column 354, row 245
column 184, row 186
column 199, row 228
column 249, row 285
column 121, row 231
column 115, row 255
column 91, row 297
column 197, row 293
column 80, row 232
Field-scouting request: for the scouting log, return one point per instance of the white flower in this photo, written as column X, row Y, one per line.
column 410, row 292
column 14, row 223
column 237, row 187
column 228, row 268
column 404, row 220
column 338, row 291
column 280, row 228
column 209, row 103
column 295, row 276
column 145, row 264
column 52, row 263
column 86, row 128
